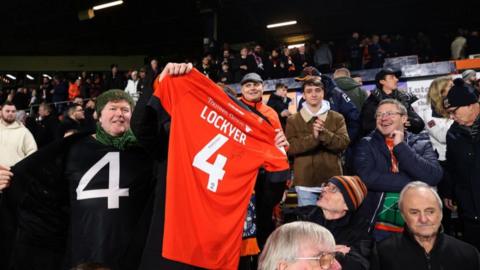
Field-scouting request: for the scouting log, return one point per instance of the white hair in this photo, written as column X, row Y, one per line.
column 418, row 185
column 284, row 243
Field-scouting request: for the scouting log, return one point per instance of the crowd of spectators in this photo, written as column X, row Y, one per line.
column 227, row 65
column 382, row 137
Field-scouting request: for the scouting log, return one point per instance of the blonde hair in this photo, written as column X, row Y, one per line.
column 436, row 92
column 285, row 242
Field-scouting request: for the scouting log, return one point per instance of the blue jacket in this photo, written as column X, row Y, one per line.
column 417, row 161
column 341, row 103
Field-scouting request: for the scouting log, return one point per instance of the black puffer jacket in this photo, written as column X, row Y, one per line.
column 367, row 115
column 279, row 104
column 463, row 164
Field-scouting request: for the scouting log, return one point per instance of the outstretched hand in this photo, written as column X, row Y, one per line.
column 175, row 69
column 5, row 177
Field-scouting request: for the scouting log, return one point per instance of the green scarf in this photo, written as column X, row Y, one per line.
column 121, row 142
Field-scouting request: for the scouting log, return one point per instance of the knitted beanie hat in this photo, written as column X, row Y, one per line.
column 352, row 188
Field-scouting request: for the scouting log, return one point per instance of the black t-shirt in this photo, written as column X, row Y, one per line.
column 109, row 190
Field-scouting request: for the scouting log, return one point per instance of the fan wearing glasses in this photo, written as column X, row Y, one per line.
column 387, row 160
column 299, row 245
column 463, row 158
column 336, row 211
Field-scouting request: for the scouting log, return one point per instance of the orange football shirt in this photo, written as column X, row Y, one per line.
column 215, row 150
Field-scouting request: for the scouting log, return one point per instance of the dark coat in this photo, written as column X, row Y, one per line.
column 40, row 197
column 150, row 123
column 279, row 104
column 46, row 130
column 402, row 251
column 302, row 60
column 60, row 92
column 249, row 61
column 370, row 106
column 417, row 161
column 117, row 82
column 463, row 165
column 275, row 68
column 67, row 125
column 350, row 230
column 225, row 77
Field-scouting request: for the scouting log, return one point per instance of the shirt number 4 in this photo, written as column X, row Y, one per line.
column 113, row 192
column 215, row 171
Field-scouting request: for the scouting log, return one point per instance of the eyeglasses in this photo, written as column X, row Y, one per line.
column 330, row 188
column 452, row 112
column 325, row 260
column 380, row 115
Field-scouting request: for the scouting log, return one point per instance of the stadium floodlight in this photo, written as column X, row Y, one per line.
column 30, row 77
column 296, row 45
column 107, row 5
column 47, row 76
column 11, row 76
column 281, row 24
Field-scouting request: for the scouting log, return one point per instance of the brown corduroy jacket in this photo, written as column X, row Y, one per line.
column 316, row 160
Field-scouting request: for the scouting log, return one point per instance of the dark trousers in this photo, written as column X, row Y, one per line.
column 267, row 195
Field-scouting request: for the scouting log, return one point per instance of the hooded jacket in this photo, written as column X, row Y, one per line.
column 316, row 159
column 16, row 142
column 341, row 103
column 353, row 90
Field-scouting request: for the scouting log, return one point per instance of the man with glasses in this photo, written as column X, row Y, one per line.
column 299, row 245
column 336, row 211
column 387, row 160
column 386, row 81
column 73, row 121
column 463, row 158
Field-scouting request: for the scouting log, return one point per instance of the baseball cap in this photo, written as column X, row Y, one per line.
column 387, row 71
column 251, row 77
